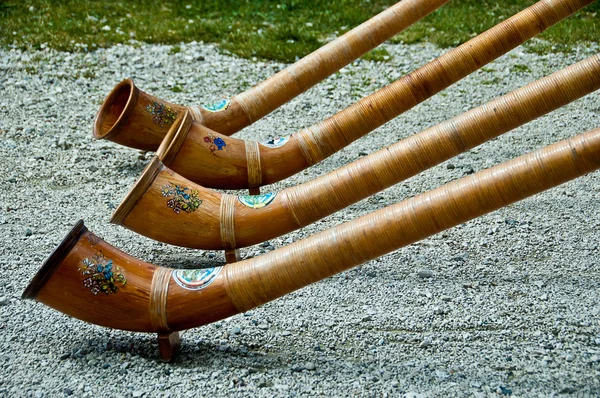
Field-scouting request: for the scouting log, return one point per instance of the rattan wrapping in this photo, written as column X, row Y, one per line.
column 382, row 169
column 230, row 168
column 301, row 205
column 227, row 215
column 269, row 95
column 336, row 132
column 159, row 291
column 261, row 279
column 127, row 122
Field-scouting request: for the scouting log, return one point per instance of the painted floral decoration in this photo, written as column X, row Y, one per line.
column 275, row 142
column 257, row 201
column 196, row 279
column 161, row 114
column 181, row 198
column 217, row 106
column 216, row 143
column 102, row 275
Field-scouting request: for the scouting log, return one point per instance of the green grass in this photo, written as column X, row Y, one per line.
column 378, row 55
column 281, row 30
column 458, row 21
column 520, row 68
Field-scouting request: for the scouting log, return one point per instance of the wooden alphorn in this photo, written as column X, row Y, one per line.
column 90, row 280
column 216, row 161
column 166, row 207
column 133, row 118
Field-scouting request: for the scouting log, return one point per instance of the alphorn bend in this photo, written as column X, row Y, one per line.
column 216, row 161
column 133, row 118
column 166, row 207
column 88, row 279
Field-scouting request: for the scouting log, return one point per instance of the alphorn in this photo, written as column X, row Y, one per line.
column 133, row 118
column 91, row 280
column 216, row 161
column 166, row 207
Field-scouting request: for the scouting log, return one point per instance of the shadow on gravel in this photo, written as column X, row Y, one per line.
column 131, row 168
column 191, row 261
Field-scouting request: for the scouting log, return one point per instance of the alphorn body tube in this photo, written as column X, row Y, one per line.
column 216, row 161
column 136, row 119
column 166, row 207
column 88, row 279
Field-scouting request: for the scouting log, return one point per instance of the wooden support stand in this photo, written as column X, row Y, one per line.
column 254, row 191
column 169, row 342
column 232, row 256
column 168, row 345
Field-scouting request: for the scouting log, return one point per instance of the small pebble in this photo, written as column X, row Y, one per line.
column 567, row 390
column 425, row 273
column 425, row 344
column 298, row 368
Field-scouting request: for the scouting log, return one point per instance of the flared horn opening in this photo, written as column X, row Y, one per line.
column 137, row 191
column 88, row 279
column 52, row 263
column 174, row 139
column 115, row 109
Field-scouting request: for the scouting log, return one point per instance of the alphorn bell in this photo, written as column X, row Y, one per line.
column 216, row 161
column 90, row 280
column 166, row 207
column 133, row 118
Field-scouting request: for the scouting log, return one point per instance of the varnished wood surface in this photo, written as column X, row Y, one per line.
column 126, row 109
column 261, row 279
column 243, row 285
column 127, row 308
column 221, row 221
column 128, row 123
column 60, row 285
column 229, row 167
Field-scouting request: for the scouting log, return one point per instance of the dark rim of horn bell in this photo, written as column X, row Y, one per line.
column 55, row 259
column 174, row 139
column 138, row 190
column 126, row 84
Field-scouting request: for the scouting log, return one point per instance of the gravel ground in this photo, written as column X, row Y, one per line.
column 506, row 305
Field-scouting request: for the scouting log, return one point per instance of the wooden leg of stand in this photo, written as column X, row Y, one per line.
column 168, row 345
column 232, row 256
column 254, row 191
